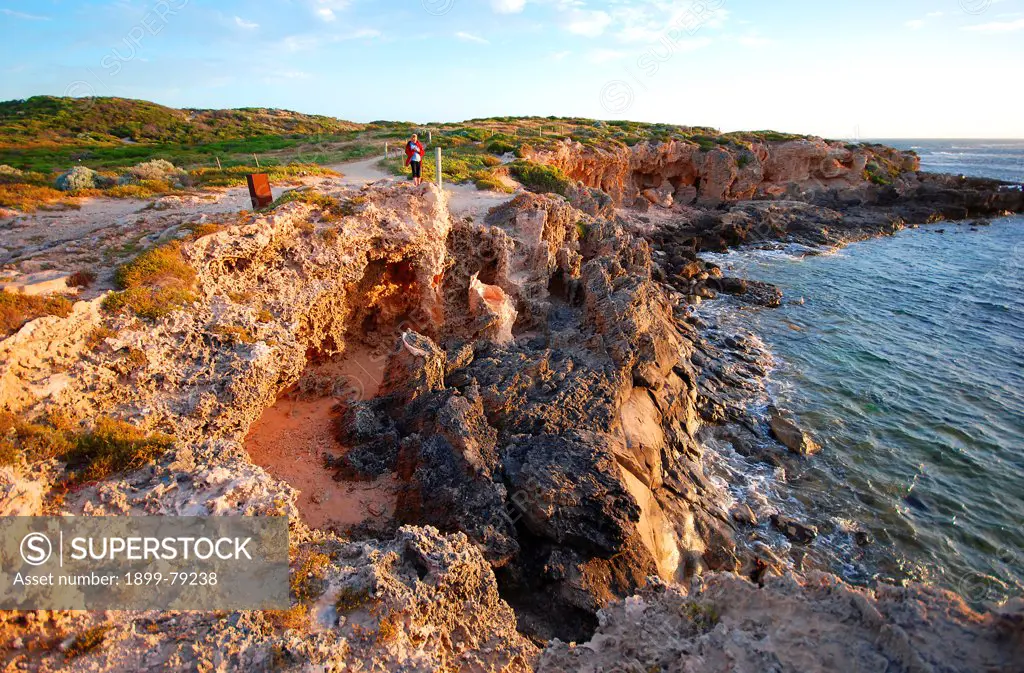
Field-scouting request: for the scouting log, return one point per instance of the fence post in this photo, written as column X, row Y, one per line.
column 219, row 167
column 257, row 159
column 430, row 137
column 385, row 150
column 440, row 179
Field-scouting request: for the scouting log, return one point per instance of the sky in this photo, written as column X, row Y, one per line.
column 839, row 68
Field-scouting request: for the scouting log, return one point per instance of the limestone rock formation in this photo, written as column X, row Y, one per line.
column 792, row 623
column 681, row 171
column 543, row 395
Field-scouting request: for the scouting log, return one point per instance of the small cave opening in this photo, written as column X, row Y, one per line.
column 541, row 614
column 564, row 289
column 296, row 439
column 488, row 274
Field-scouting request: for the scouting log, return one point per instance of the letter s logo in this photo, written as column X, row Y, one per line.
column 36, row 549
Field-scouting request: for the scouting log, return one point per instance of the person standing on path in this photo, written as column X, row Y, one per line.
column 414, row 158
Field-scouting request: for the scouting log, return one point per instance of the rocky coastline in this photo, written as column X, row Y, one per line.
column 545, row 398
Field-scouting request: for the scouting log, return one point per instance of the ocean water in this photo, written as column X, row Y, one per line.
column 904, row 357
column 999, row 159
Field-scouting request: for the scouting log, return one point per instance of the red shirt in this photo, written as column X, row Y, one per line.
column 410, row 151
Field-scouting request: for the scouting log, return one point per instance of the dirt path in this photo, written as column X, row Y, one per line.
column 103, row 232
column 463, row 200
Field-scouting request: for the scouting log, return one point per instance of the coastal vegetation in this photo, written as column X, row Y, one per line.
column 18, row 309
column 110, row 446
column 54, row 151
column 153, row 284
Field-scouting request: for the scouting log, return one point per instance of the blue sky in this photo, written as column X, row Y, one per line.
column 845, row 68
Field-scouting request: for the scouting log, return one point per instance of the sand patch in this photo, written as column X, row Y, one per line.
column 292, row 437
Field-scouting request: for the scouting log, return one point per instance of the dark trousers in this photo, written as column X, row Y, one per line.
column 417, row 168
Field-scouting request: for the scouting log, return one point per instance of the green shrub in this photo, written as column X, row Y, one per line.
column 111, row 447
column 153, row 284
column 158, row 169
column 501, row 146
column 87, row 641
column 541, row 178
column 77, row 178
column 18, row 309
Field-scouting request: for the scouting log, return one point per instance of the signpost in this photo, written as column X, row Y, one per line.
column 259, row 190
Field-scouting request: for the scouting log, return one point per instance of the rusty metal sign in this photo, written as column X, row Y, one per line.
column 259, row 190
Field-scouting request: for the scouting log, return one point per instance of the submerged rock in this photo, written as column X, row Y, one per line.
column 793, row 529
column 789, row 434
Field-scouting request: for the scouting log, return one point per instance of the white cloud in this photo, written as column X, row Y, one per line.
column 998, row 27
column 508, row 6
column 915, row 24
column 659, row 19
column 589, row 23
column 560, row 55
column 935, row 15
column 325, row 9
column 23, row 15
column 309, row 42
column 248, row 25
column 362, row 34
column 469, row 37
column 599, row 56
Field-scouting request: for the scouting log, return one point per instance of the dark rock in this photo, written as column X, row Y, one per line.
column 863, row 538
column 794, row 530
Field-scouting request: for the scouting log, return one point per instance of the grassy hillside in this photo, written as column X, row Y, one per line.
column 44, row 136
column 76, row 121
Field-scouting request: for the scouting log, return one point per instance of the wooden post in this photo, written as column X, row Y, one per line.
column 219, row 167
column 385, row 150
column 440, row 179
column 430, row 137
column 256, row 159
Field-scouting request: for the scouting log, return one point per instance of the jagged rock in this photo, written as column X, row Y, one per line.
column 790, row 435
column 793, row 529
column 21, row 494
column 723, row 173
column 495, row 309
column 814, row 623
column 743, row 514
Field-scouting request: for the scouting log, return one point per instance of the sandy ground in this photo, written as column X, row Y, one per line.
column 463, row 200
column 104, row 233
column 292, row 437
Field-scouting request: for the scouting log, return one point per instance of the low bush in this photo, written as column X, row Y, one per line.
column 18, row 309
column 80, row 177
column 158, row 169
column 502, row 146
column 235, row 175
column 541, row 178
column 87, row 641
column 31, row 441
column 153, row 284
column 111, row 447
column 486, row 180
column 28, row 198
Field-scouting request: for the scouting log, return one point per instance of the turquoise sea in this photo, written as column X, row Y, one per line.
column 904, row 357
